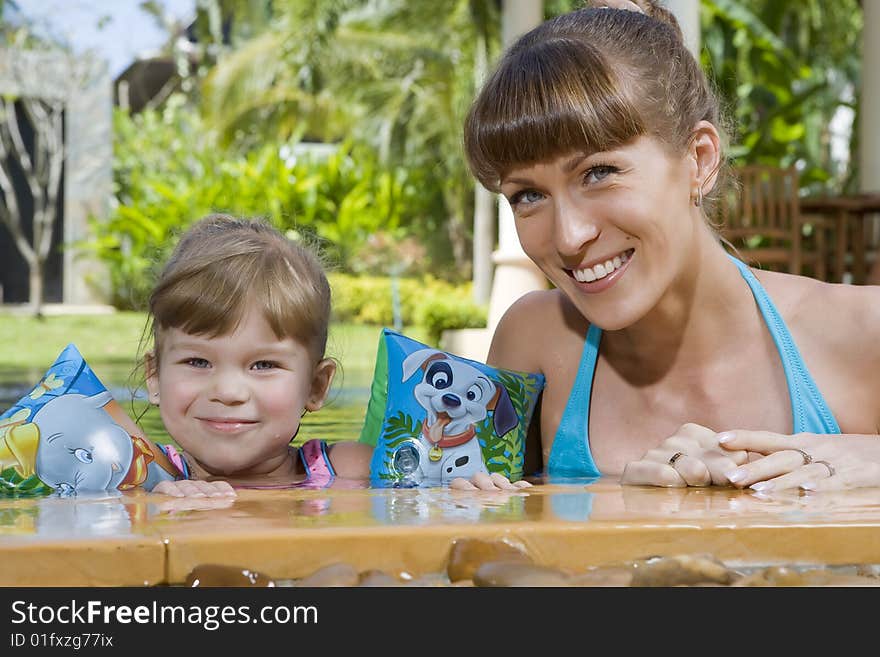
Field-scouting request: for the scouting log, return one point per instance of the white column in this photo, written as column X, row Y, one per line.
column 869, row 134
column 687, row 12
column 515, row 273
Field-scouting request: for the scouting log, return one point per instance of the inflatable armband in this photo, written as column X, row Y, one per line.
column 66, row 435
column 434, row 416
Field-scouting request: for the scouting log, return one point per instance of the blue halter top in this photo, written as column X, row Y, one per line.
column 570, row 454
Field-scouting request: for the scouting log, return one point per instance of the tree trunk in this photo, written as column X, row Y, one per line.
column 35, row 289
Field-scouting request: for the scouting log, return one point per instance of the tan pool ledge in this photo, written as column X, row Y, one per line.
column 141, row 539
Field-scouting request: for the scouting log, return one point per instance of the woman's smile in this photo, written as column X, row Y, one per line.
column 599, row 276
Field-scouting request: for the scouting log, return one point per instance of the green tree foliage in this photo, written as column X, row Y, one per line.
column 783, row 69
column 169, row 171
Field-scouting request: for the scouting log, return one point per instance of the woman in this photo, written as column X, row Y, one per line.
column 667, row 361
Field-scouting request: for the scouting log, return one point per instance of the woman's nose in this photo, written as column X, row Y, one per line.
column 574, row 228
column 229, row 387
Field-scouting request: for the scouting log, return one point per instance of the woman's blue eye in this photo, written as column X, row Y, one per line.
column 599, row 172
column 526, row 196
column 83, row 455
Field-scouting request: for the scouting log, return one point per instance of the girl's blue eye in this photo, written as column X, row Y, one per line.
column 197, row 362
column 263, row 365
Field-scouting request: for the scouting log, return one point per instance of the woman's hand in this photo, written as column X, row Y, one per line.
column 194, row 488
column 692, row 456
column 483, row 481
column 809, row 461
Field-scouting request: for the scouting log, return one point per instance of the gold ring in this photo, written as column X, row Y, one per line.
column 675, row 457
column 807, row 458
column 830, row 467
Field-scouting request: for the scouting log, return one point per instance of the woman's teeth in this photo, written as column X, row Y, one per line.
column 594, row 273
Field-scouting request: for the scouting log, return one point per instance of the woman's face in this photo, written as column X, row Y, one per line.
column 612, row 229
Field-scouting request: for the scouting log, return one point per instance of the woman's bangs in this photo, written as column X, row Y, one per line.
column 548, row 102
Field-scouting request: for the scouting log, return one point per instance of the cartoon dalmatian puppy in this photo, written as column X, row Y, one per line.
column 456, row 396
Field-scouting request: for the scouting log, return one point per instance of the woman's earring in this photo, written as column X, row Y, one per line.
column 155, row 397
column 698, row 199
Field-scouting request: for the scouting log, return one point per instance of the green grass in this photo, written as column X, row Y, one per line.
column 26, row 342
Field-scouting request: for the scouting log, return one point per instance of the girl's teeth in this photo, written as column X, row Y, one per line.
column 600, row 270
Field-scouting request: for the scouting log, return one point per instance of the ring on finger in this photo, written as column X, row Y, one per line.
column 807, row 458
column 830, row 467
column 674, row 458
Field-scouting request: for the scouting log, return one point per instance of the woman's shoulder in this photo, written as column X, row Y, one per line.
column 534, row 327
column 838, row 316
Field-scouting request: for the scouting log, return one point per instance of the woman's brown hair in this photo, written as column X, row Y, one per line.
column 588, row 80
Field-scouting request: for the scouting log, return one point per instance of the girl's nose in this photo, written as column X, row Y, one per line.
column 229, row 387
column 574, row 228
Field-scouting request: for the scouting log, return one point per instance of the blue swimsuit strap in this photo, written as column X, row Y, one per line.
column 570, row 454
column 801, row 387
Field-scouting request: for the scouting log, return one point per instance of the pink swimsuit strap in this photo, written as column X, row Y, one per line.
column 176, row 459
column 314, row 456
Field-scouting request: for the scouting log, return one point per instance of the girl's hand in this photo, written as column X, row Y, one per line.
column 692, row 456
column 483, row 481
column 806, row 460
column 194, row 488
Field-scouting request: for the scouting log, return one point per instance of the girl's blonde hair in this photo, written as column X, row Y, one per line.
column 223, row 266
column 588, row 80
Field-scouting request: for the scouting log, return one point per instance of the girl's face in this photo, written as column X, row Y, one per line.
column 611, row 229
column 234, row 402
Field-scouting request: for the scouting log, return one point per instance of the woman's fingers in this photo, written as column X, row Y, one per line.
column 842, row 479
column 764, row 442
column 651, row 473
column 693, row 470
column 766, row 468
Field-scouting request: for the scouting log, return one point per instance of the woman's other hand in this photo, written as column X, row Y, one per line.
column 812, row 462
column 692, row 456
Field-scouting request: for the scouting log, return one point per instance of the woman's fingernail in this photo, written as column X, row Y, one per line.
column 735, row 475
column 808, row 485
column 725, row 437
column 762, row 486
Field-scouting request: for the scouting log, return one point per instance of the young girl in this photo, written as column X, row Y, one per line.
column 239, row 327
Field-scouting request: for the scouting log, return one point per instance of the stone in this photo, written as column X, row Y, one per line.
column 519, row 573
column 207, row 575
column 681, row 570
column 336, row 574
column 468, row 554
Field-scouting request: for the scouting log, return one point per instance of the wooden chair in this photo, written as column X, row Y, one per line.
column 759, row 216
